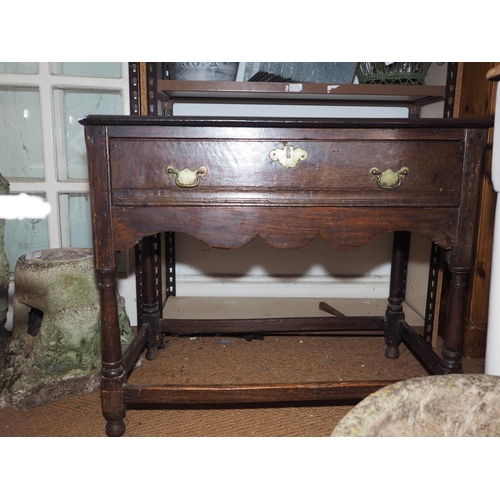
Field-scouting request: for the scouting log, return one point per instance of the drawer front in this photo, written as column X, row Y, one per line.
column 322, row 172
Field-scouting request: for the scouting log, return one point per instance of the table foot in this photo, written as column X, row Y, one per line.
column 115, row 427
column 392, row 352
column 152, row 353
column 451, row 362
column 249, row 338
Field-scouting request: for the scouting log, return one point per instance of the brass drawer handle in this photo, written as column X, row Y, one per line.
column 186, row 178
column 289, row 156
column 389, row 179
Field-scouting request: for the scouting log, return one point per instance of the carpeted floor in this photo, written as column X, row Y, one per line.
column 221, row 359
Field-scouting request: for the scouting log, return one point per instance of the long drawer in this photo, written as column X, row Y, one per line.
column 196, row 171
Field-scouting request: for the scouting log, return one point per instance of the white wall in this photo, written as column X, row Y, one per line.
column 259, row 270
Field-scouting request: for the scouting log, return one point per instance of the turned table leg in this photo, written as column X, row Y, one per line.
column 394, row 313
column 150, row 305
column 112, row 371
column 451, row 361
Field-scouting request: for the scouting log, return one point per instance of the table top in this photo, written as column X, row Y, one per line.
column 126, row 120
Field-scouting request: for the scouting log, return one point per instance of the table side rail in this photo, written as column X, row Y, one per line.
column 250, row 393
column 313, row 325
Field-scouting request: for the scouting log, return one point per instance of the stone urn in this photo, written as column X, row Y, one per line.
column 55, row 348
column 453, row 405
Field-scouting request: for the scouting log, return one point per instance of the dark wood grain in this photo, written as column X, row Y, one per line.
column 314, row 123
column 284, row 227
column 272, row 325
column 421, row 348
column 250, row 393
column 135, row 348
column 246, row 193
column 243, row 170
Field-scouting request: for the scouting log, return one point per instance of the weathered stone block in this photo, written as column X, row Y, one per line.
column 55, row 346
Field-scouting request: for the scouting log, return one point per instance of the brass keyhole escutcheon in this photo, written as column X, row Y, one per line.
column 186, row 178
column 289, row 156
column 389, row 179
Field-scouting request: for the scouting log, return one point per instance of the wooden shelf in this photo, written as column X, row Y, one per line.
column 494, row 74
column 173, row 91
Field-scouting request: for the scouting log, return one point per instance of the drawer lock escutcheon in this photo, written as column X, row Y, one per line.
column 289, row 156
column 389, row 179
column 187, row 178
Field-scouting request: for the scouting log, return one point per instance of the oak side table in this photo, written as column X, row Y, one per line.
column 226, row 180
